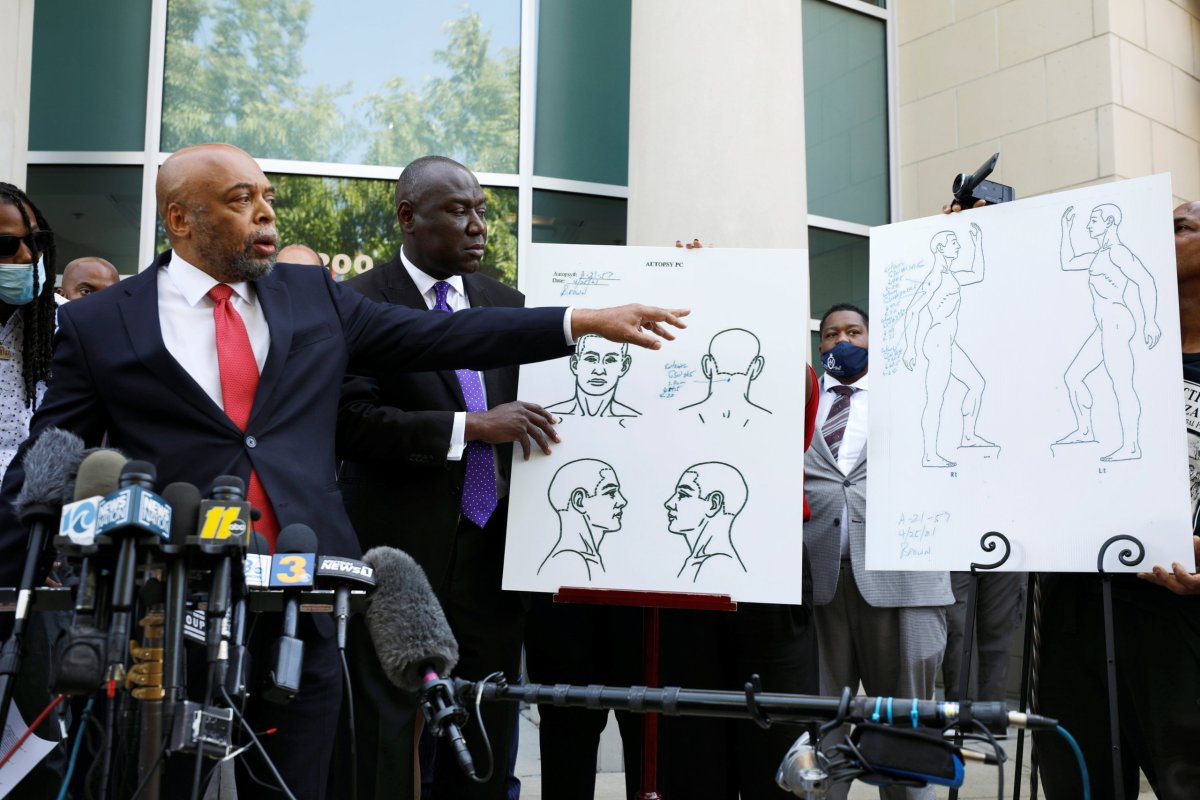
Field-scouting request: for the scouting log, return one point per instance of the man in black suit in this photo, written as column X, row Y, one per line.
column 407, row 440
column 148, row 362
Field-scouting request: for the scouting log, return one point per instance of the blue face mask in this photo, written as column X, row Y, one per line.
column 18, row 285
column 844, row 359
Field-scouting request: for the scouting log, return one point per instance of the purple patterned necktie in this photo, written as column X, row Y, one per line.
column 479, row 489
column 834, row 428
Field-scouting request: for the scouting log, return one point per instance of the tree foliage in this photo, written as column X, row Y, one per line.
column 233, row 74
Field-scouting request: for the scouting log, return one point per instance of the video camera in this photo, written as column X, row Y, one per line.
column 970, row 188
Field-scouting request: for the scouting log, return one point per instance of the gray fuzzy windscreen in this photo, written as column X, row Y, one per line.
column 406, row 621
column 49, row 463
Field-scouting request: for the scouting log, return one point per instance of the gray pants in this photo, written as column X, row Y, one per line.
column 999, row 608
column 892, row 652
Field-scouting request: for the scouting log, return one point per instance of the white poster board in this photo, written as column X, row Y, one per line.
column 679, row 469
column 1025, row 381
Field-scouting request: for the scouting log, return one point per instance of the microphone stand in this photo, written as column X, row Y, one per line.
column 10, row 656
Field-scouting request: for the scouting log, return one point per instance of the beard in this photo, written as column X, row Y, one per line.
column 242, row 265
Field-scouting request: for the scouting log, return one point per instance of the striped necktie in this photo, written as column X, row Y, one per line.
column 834, row 428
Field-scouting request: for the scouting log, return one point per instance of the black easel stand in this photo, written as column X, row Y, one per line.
column 1127, row 558
column 988, row 543
column 1030, row 658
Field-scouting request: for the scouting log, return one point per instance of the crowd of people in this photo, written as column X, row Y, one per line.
column 403, row 383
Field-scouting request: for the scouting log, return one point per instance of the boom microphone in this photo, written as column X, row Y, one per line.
column 49, row 463
column 414, row 643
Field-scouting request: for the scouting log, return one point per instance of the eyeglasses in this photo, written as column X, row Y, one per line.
column 37, row 242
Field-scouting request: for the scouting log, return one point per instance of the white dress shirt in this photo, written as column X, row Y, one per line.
column 855, row 438
column 456, row 298
column 185, row 313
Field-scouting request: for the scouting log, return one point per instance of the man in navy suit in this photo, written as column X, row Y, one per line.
column 139, row 364
column 406, row 440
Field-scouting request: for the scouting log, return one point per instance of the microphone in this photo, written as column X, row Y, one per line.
column 80, row 652
column 131, row 513
column 255, row 574
column 414, row 643
column 48, row 463
column 343, row 575
column 185, row 504
column 291, row 569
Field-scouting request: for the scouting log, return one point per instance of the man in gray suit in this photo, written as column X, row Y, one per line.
column 885, row 629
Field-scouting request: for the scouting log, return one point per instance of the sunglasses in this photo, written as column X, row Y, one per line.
column 37, row 242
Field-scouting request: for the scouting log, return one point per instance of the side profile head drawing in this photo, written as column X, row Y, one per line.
column 1103, row 217
column 590, row 488
column 598, row 364
column 703, row 492
column 946, row 243
column 733, row 352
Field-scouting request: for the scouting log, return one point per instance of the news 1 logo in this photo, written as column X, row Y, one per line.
column 78, row 521
column 292, row 569
column 223, row 522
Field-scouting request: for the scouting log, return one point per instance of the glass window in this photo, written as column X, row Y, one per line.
column 846, row 113
column 88, row 81
column 583, row 91
column 578, row 219
column 837, row 269
column 93, row 211
column 374, row 82
column 351, row 222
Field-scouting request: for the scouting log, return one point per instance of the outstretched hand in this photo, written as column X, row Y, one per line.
column 976, row 234
column 518, row 422
column 1179, row 580
column 1068, row 217
column 644, row 326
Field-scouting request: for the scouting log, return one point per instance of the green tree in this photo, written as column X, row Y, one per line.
column 232, row 74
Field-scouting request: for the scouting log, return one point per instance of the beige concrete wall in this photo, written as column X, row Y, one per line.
column 716, row 123
column 16, row 55
column 1070, row 92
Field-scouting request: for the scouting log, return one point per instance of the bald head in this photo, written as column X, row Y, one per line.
column 422, row 175
column 300, row 254
column 217, row 208
column 86, row 275
column 735, row 352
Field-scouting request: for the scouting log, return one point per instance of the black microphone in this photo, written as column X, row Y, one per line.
column 185, row 504
column 291, row 569
column 414, row 643
column 80, row 652
column 49, row 463
column 129, row 515
column 343, row 575
column 223, row 527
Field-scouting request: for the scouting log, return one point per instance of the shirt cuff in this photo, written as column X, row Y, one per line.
column 567, row 326
column 458, row 436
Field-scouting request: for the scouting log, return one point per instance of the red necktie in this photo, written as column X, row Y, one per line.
column 239, row 382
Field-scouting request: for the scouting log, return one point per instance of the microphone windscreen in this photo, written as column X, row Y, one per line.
column 99, row 474
column 406, row 622
column 296, row 538
column 140, row 471
column 49, row 464
column 185, row 509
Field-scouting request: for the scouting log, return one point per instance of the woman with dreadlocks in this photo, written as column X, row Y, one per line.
column 26, row 315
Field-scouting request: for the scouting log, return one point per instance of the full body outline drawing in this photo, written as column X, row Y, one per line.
column 1112, row 269
column 598, row 366
column 586, row 495
column 702, row 508
column 931, row 325
column 733, row 362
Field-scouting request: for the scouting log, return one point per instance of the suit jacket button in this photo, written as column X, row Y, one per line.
column 251, row 442
column 844, row 483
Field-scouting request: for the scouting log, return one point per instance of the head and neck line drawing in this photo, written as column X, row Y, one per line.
column 931, row 326
column 598, row 366
column 586, row 494
column 1113, row 270
column 707, row 499
column 733, row 362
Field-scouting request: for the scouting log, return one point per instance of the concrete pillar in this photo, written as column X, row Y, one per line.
column 16, row 56
column 716, row 124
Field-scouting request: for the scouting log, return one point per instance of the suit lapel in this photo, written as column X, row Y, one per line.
column 399, row 289
column 139, row 313
column 276, row 304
